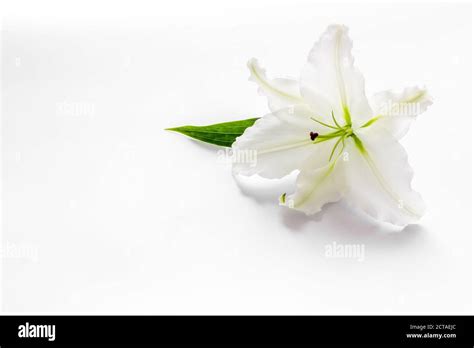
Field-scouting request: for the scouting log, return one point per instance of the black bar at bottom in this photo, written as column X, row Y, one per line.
column 450, row 331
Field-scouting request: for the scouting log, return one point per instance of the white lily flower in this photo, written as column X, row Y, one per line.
column 324, row 127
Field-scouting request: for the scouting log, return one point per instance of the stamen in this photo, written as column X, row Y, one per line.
column 334, row 119
column 324, row 124
column 313, row 135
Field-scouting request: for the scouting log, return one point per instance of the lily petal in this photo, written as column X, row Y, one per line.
column 319, row 182
column 279, row 142
column 379, row 178
column 397, row 110
column 280, row 92
column 330, row 75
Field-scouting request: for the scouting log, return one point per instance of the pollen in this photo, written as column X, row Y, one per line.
column 313, row 135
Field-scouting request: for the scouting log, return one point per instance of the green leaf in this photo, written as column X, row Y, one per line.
column 221, row 134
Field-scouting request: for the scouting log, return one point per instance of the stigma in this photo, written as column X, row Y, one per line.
column 313, row 135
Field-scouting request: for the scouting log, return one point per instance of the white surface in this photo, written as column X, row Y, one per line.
column 128, row 218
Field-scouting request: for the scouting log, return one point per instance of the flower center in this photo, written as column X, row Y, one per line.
column 340, row 133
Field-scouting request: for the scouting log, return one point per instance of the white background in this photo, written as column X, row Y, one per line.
column 128, row 218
